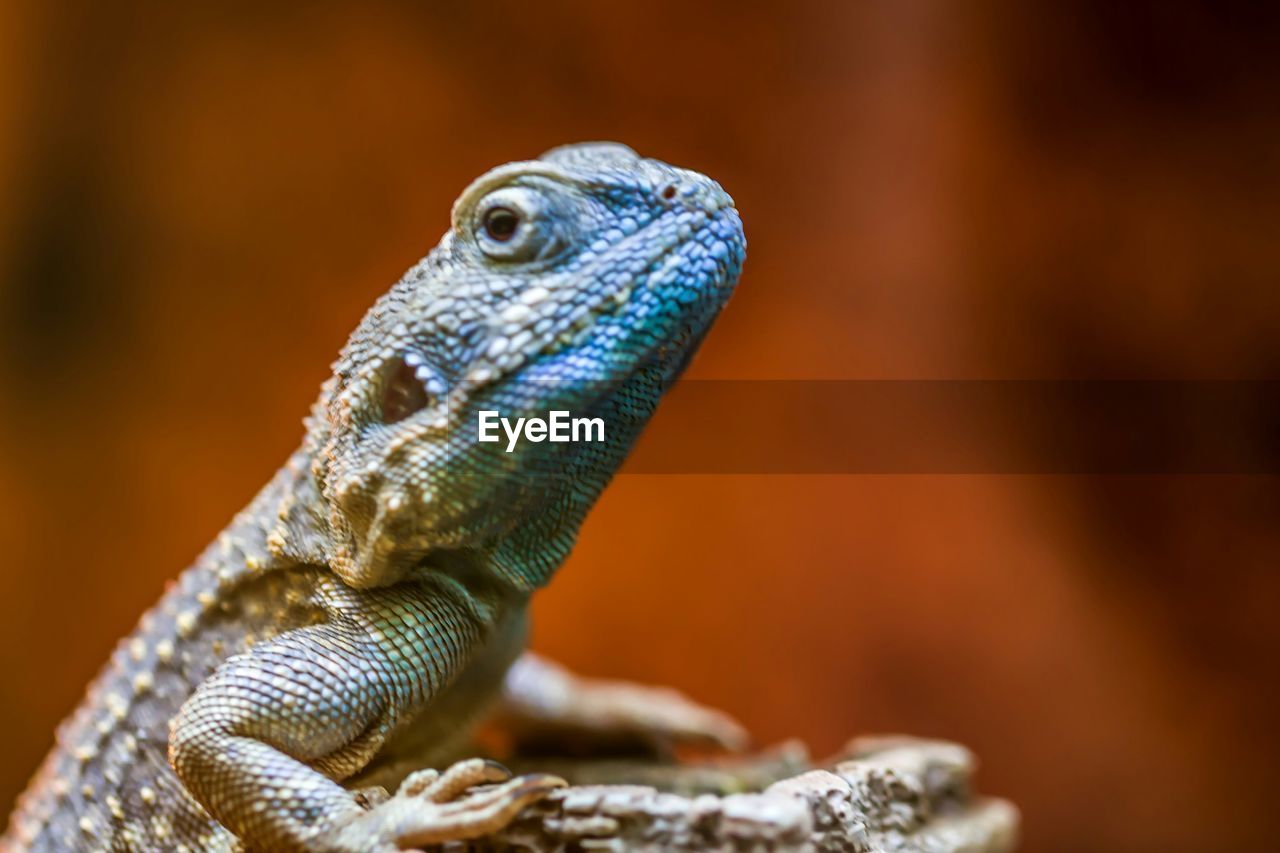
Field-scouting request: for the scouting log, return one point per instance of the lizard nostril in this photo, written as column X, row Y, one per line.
column 669, row 192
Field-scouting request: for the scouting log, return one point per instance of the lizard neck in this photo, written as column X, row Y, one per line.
column 298, row 532
column 544, row 536
column 518, row 543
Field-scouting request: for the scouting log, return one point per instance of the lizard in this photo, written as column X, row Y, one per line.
column 352, row 623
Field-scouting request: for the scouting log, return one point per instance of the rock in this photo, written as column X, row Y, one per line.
column 882, row 794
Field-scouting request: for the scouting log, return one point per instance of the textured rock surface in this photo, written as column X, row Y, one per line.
column 883, row 794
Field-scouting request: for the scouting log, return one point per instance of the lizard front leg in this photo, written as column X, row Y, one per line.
column 263, row 743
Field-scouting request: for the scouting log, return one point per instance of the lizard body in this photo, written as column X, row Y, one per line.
column 365, row 607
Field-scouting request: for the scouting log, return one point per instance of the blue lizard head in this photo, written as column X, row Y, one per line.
column 581, row 282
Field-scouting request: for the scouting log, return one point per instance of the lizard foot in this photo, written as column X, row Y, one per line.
column 432, row 807
column 663, row 715
column 543, row 702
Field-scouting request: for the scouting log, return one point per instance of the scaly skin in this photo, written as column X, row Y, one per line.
column 362, row 611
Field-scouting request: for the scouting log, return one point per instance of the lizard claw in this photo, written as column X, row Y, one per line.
column 433, row 808
column 481, row 812
column 435, row 787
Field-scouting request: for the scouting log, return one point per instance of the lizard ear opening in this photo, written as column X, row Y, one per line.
column 403, row 394
column 409, row 387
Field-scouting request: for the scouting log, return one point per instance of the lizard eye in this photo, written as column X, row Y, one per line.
column 516, row 224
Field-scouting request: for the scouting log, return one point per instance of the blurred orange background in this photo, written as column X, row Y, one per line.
column 200, row 203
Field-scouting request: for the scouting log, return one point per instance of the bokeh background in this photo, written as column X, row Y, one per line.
column 200, row 201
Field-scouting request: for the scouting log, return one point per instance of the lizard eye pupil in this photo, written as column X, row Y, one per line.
column 404, row 395
column 500, row 224
column 516, row 224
